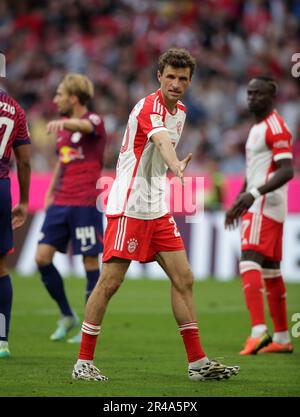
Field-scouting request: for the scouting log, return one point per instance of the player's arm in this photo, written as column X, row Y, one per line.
column 73, row 125
column 163, row 143
column 53, row 182
column 19, row 212
column 282, row 175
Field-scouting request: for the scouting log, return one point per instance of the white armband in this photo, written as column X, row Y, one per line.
column 255, row 193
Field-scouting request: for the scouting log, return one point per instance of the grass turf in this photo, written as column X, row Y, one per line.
column 140, row 349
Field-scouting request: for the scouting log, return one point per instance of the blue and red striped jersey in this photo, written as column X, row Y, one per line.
column 13, row 130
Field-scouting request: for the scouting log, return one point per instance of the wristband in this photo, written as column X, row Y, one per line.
column 255, row 193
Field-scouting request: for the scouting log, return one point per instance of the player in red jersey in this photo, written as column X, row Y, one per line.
column 139, row 225
column 262, row 204
column 71, row 213
column 13, row 136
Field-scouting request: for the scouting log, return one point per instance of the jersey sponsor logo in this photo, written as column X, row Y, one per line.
column 281, row 144
column 179, row 127
column 95, row 119
column 156, row 120
column 75, row 138
column 132, row 244
column 68, row 154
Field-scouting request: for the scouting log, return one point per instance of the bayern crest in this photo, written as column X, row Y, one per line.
column 132, row 245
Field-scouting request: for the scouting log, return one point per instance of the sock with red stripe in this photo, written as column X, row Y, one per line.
column 90, row 331
column 276, row 295
column 190, row 335
column 253, row 291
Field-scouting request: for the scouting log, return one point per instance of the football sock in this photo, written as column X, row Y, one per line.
column 281, row 337
column 253, row 291
column 55, row 286
column 199, row 363
column 92, row 278
column 190, row 335
column 258, row 330
column 6, row 295
column 90, row 331
column 276, row 295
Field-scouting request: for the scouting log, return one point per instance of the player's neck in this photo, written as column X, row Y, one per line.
column 79, row 111
column 259, row 117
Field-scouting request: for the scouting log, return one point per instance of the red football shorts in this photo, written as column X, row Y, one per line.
column 263, row 235
column 139, row 240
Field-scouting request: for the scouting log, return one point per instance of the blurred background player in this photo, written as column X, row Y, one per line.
column 71, row 199
column 13, row 135
column 139, row 224
column 262, row 203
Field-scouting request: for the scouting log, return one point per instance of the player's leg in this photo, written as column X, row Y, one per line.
column 91, row 266
column 87, row 240
column 6, row 245
column 276, row 296
column 6, row 294
column 111, row 277
column 200, row 368
column 54, row 237
column 254, row 247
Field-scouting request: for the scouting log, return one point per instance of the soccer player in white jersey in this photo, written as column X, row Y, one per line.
column 262, row 203
column 139, row 225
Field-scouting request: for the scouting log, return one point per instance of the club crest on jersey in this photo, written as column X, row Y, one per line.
column 179, row 127
column 132, row 245
column 95, row 119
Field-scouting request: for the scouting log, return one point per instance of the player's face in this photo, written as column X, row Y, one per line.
column 63, row 102
column 259, row 96
column 174, row 82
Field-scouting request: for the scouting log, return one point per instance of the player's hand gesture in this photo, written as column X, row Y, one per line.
column 19, row 215
column 231, row 222
column 182, row 166
column 55, row 126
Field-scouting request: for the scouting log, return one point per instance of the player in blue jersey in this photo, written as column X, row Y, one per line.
column 71, row 214
column 13, row 136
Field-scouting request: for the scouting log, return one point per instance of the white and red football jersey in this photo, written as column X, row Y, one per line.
column 268, row 142
column 139, row 188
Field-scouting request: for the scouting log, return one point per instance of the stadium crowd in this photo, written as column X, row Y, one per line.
column 116, row 43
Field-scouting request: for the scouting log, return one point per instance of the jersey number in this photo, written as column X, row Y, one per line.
column 9, row 125
column 176, row 231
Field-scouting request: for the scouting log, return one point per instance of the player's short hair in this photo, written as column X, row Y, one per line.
column 270, row 81
column 177, row 58
column 80, row 86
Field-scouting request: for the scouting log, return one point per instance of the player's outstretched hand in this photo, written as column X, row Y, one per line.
column 231, row 222
column 55, row 126
column 182, row 166
column 19, row 215
column 243, row 202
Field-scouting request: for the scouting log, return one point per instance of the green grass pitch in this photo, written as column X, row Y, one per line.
column 140, row 349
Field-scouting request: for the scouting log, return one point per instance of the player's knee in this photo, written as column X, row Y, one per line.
column 90, row 263
column 110, row 284
column 185, row 281
column 42, row 259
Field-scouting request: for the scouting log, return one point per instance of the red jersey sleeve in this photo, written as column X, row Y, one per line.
column 22, row 131
column 279, row 140
column 151, row 118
